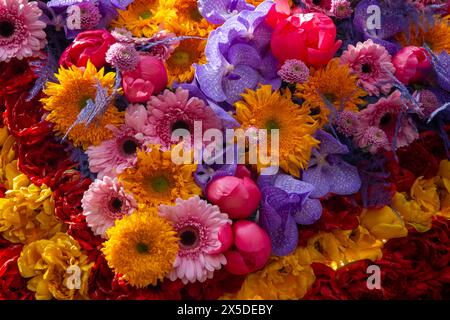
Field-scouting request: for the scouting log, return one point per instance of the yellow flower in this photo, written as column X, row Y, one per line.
column 333, row 84
column 180, row 65
column 436, row 36
column 27, row 212
column 142, row 247
column 57, row 268
column 444, row 188
column 412, row 213
column 8, row 162
column 383, row 223
column 264, row 109
column 424, row 192
column 286, row 278
column 157, row 180
column 69, row 96
column 144, row 18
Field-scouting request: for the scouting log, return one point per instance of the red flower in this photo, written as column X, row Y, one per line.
column 401, row 177
column 412, row 65
column 12, row 285
column 324, row 287
column 338, row 213
column 15, row 76
column 418, row 160
column 431, row 141
column 88, row 45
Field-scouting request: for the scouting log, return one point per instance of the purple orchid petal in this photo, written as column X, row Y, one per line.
column 310, row 213
column 329, row 144
column 344, row 179
column 218, row 11
column 234, row 88
column 319, row 178
column 210, row 80
column 244, row 54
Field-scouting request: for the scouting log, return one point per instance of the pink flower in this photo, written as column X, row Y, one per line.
column 113, row 156
column 341, row 9
column 21, row 32
column 197, row 224
column 104, row 202
column 372, row 138
column 239, row 197
column 347, row 123
column 123, row 56
column 428, row 102
column 294, row 71
column 309, row 37
column 412, row 65
column 149, row 77
column 175, row 110
column 372, row 63
column 385, row 114
column 88, row 45
column 251, row 250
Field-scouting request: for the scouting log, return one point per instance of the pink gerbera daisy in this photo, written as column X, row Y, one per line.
column 197, row 224
column 372, row 63
column 175, row 110
column 104, row 202
column 21, row 33
column 388, row 114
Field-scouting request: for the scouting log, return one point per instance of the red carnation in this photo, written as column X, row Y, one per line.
column 15, row 76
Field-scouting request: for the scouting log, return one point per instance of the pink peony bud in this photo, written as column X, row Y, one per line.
column 252, row 248
column 309, row 37
column 238, row 197
column 149, row 78
column 412, row 65
column 225, row 237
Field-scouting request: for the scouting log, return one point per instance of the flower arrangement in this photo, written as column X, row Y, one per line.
column 119, row 179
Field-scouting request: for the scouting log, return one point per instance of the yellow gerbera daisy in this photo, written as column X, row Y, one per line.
column 264, row 109
column 189, row 19
column 180, row 64
column 157, row 180
column 334, row 83
column 66, row 98
column 143, row 18
column 142, row 247
column 437, row 36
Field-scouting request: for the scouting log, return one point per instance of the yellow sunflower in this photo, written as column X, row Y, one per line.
column 190, row 20
column 66, row 98
column 334, row 84
column 436, row 36
column 143, row 18
column 157, row 180
column 264, row 109
column 180, row 64
column 142, row 247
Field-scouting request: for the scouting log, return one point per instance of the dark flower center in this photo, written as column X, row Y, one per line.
column 196, row 15
column 6, row 29
column 386, row 119
column 116, row 205
column 366, row 68
column 147, row 14
column 317, row 2
column 180, row 124
column 315, row 111
column 272, row 125
column 159, row 184
column 129, row 147
column 188, row 237
column 141, row 248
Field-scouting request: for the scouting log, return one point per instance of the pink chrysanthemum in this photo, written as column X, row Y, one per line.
column 90, row 15
column 341, row 9
column 170, row 111
column 372, row 138
column 323, row 6
column 372, row 63
column 386, row 114
column 428, row 102
column 197, row 224
column 104, row 202
column 113, row 156
column 294, row 71
column 347, row 123
column 123, row 56
column 21, row 33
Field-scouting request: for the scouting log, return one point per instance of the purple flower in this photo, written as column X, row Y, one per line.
column 238, row 57
column 218, row 11
column 285, row 204
column 328, row 172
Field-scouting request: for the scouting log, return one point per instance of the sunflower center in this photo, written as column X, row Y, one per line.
column 6, row 29
column 195, row 14
column 159, row 184
column 83, row 102
column 115, row 205
column 181, row 58
column 180, row 124
column 189, row 237
column 147, row 14
column 272, row 125
column 129, row 147
column 331, row 97
column 386, row 119
column 366, row 68
column 141, row 248
column 315, row 111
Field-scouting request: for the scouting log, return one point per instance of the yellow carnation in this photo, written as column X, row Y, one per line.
column 8, row 162
column 27, row 212
column 57, row 268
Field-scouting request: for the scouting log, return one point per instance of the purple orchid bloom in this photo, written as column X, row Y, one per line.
column 286, row 203
column 218, row 11
column 328, row 172
column 238, row 57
